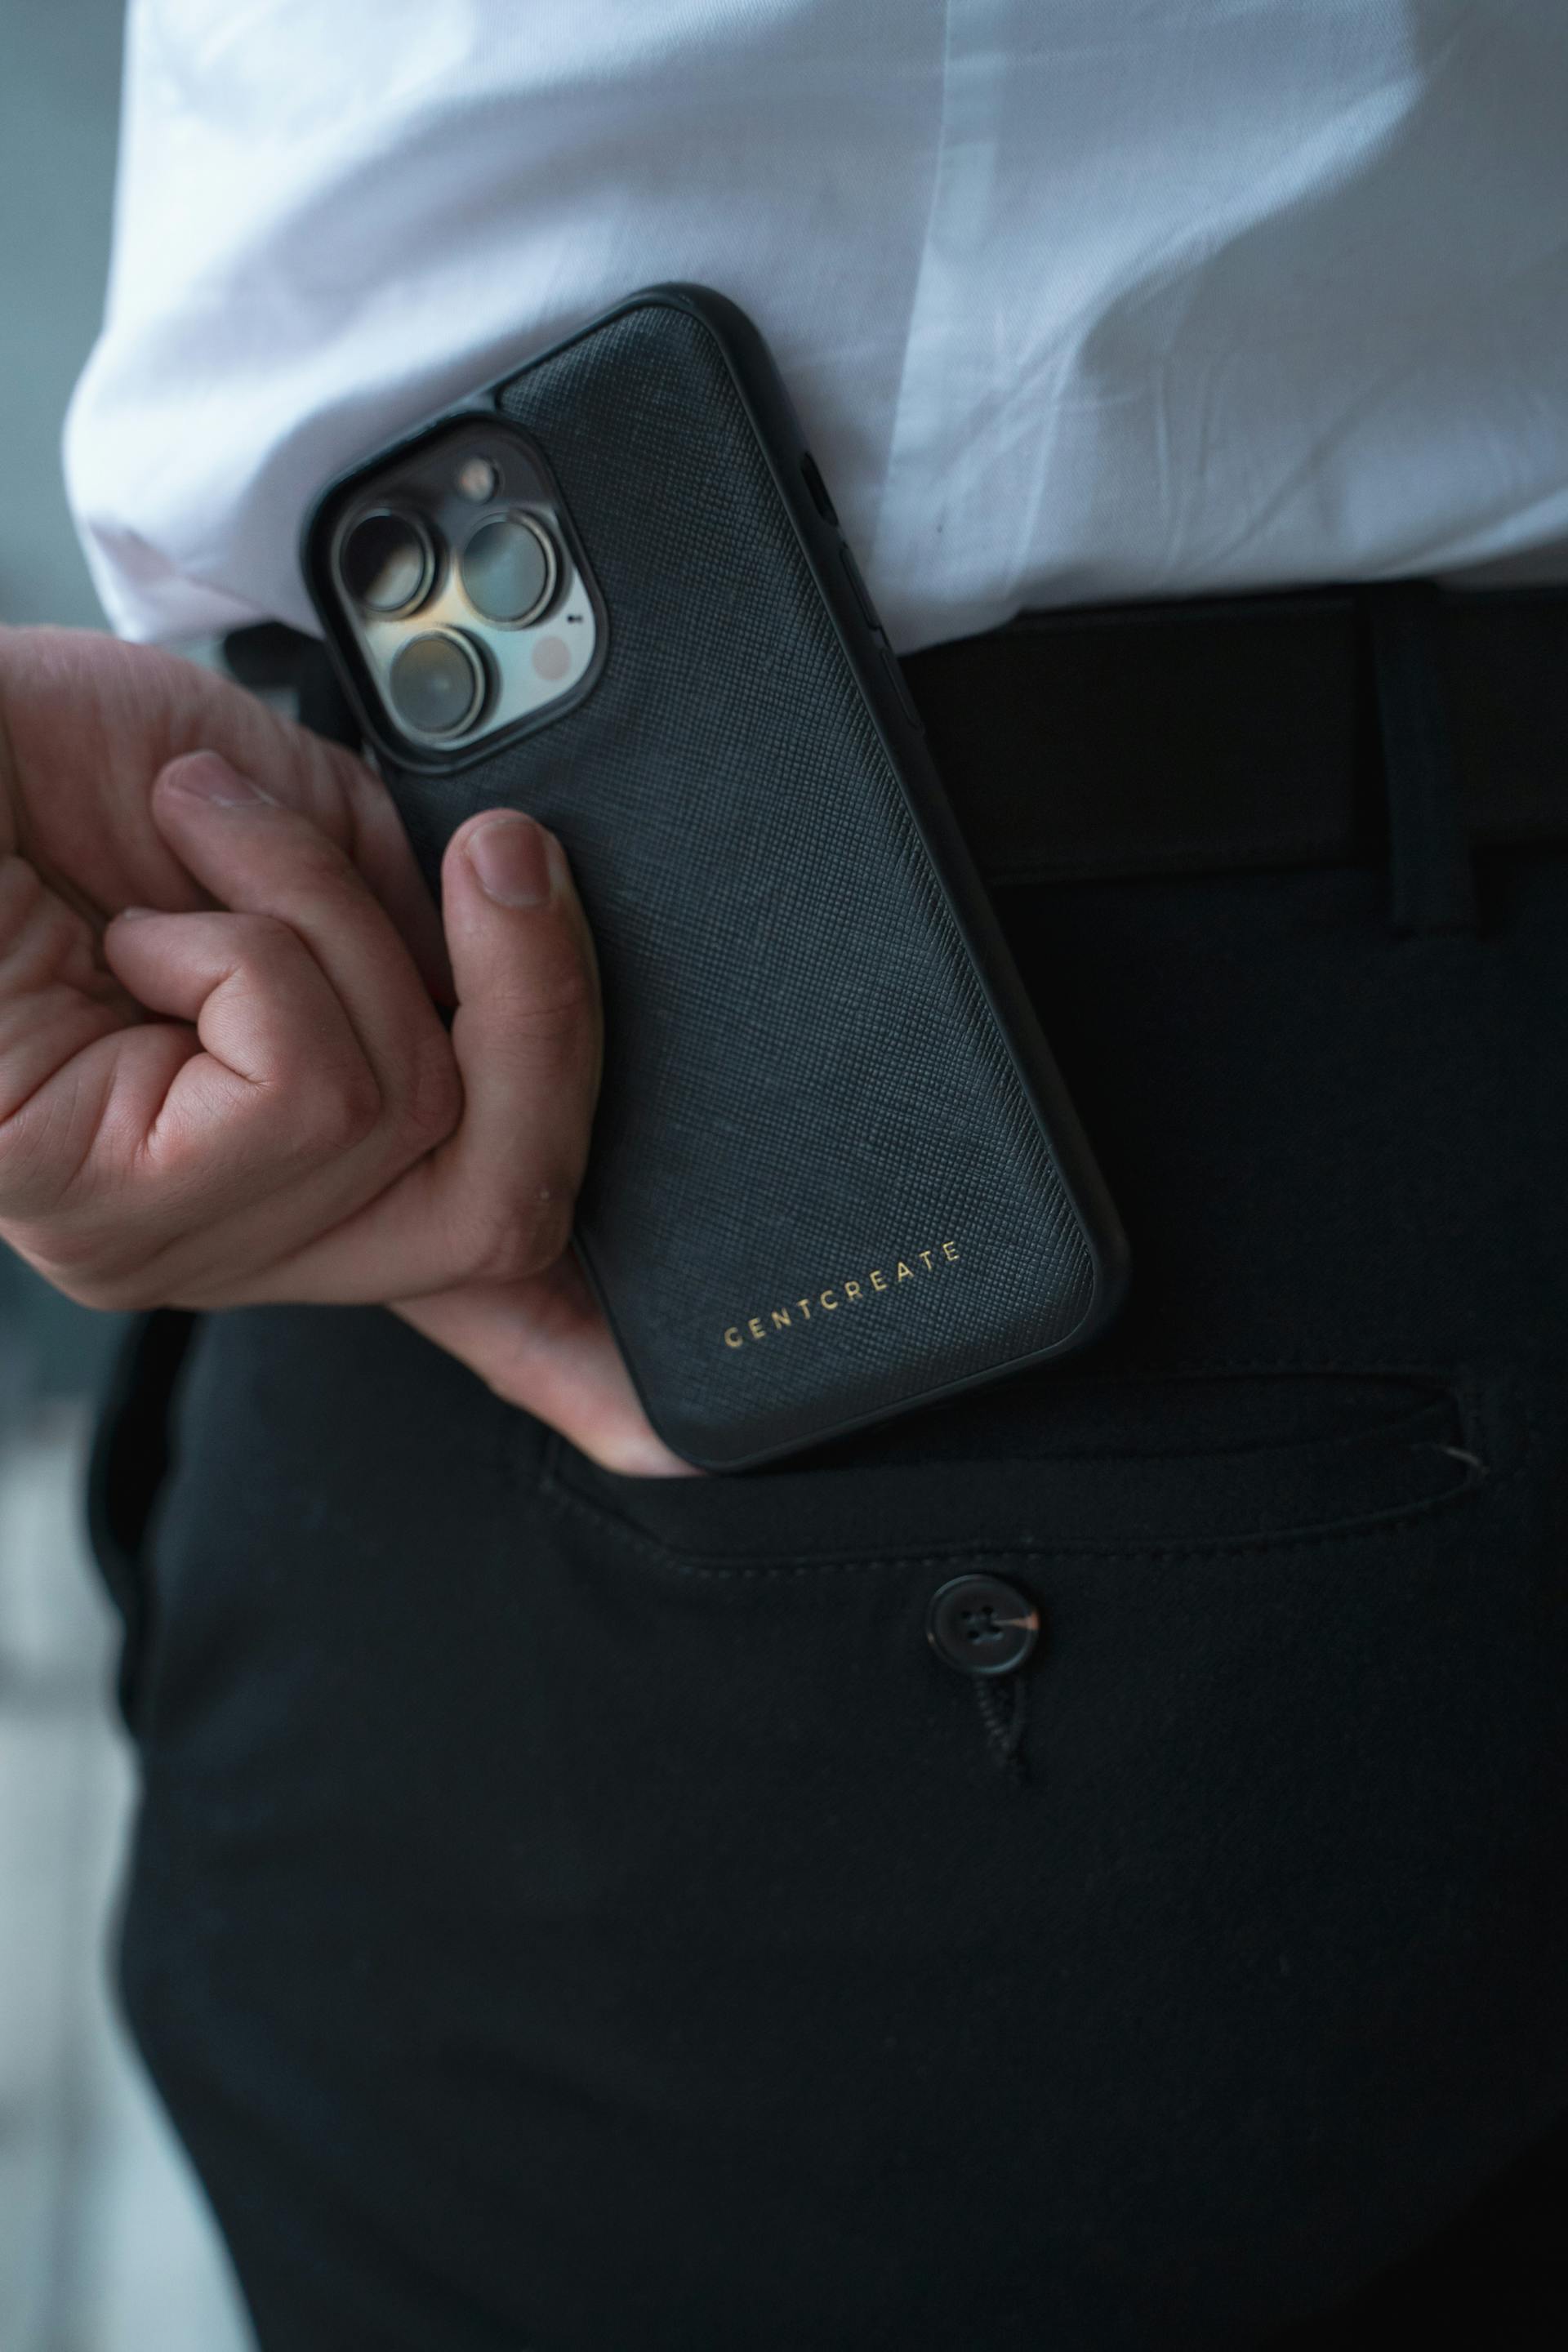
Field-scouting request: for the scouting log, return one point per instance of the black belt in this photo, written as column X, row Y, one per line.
column 1221, row 734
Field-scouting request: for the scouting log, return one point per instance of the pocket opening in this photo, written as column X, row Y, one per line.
column 1279, row 1458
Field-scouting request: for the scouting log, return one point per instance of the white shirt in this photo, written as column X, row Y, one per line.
column 1078, row 298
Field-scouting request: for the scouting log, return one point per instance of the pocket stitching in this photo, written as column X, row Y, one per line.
column 1363, row 1527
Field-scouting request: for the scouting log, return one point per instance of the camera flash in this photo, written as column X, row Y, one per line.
column 478, row 480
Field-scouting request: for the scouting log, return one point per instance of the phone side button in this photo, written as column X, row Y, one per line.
column 906, row 703
column 861, row 592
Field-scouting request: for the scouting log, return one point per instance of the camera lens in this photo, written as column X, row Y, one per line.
column 438, row 683
column 509, row 569
column 388, row 562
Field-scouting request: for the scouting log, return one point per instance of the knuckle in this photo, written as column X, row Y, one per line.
column 430, row 1104
column 342, row 1110
column 519, row 1238
column 560, row 997
column 554, row 1031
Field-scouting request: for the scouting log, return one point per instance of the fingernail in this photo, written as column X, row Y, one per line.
column 134, row 914
column 512, row 857
column 206, row 776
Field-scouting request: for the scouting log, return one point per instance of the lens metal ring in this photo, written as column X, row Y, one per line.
column 510, row 568
column 387, row 562
column 438, row 682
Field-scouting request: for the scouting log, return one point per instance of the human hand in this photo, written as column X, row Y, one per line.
column 224, row 1079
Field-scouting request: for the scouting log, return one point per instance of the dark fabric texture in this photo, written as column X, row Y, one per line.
column 584, row 1915
column 1428, row 833
column 1233, row 733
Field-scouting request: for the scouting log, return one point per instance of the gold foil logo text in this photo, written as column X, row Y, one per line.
column 846, row 1293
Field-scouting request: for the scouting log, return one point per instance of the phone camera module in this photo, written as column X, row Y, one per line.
column 388, row 562
column 457, row 585
column 438, row 683
column 508, row 569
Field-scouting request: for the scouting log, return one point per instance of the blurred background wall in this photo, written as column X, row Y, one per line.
column 105, row 2245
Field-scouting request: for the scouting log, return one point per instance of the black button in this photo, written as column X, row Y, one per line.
column 982, row 1626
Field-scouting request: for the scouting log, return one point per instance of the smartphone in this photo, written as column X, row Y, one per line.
column 834, row 1173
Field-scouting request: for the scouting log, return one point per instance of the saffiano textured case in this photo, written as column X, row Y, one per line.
column 834, row 1174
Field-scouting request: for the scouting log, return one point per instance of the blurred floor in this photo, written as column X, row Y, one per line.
column 105, row 2245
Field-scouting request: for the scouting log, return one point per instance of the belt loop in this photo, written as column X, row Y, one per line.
column 1432, row 881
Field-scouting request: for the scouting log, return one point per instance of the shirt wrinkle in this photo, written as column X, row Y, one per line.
column 1074, row 301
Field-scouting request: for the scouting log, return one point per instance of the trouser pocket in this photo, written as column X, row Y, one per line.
column 601, row 1893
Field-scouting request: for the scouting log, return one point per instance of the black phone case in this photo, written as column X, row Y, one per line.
column 834, row 1173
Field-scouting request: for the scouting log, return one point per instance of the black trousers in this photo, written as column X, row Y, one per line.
column 585, row 1914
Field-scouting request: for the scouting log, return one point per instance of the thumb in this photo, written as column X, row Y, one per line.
column 528, row 1033
column 493, row 1203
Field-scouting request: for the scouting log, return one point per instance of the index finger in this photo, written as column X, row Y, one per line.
column 261, row 858
column 87, row 724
